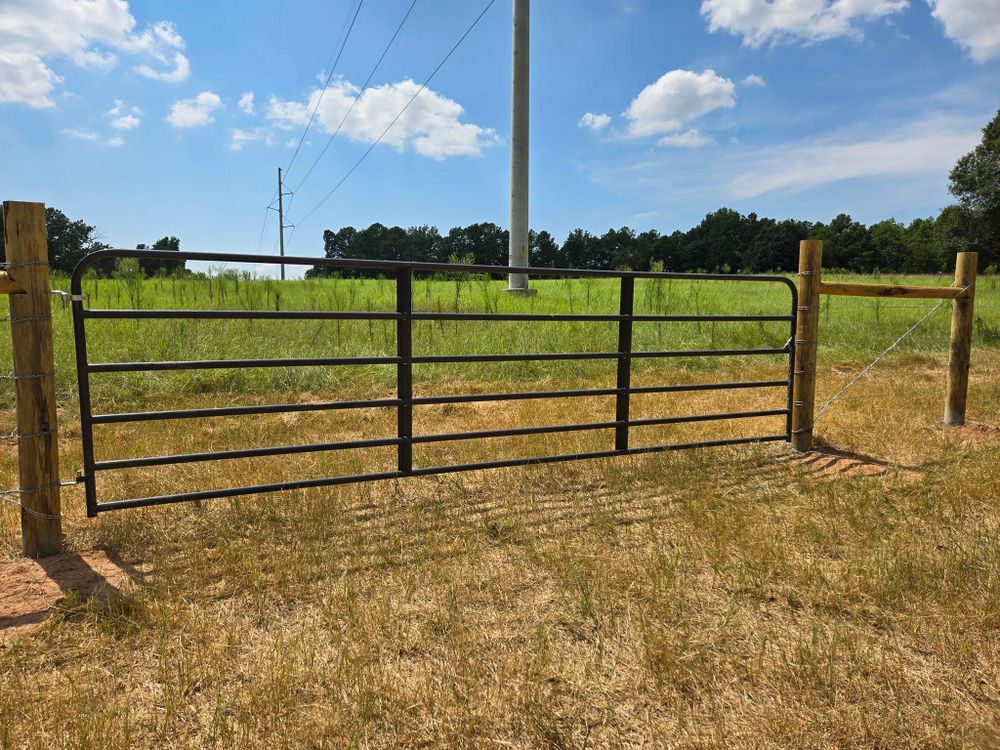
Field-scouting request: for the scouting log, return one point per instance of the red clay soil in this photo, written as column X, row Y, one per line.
column 977, row 431
column 29, row 589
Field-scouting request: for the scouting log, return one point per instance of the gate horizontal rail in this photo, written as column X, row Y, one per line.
column 404, row 361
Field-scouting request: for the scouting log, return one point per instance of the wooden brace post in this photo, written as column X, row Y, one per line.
column 34, row 378
column 960, row 349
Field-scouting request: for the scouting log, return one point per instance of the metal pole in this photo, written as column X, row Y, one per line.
column 281, row 222
column 518, row 282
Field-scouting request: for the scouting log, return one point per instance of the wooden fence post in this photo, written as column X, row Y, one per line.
column 34, row 379
column 806, row 342
column 960, row 350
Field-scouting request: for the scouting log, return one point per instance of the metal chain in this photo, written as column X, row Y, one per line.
column 853, row 381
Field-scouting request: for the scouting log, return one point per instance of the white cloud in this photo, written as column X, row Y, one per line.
column 676, row 99
column 929, row 147
column 239, row 138
column 753, row 81
column 194, row 113
column 88, row 34
column 80, row 134
column 246, row 103
column 594, row 122
column 689, row 139
column 180, row 71
column 161, row 42
column 973, row 24
column 24, row 78
column 125, row 122
column 431, row 126
column 123, row 117
column 771, row 21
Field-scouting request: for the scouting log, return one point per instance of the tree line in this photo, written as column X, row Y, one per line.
column 70, row 240
column 725, row 240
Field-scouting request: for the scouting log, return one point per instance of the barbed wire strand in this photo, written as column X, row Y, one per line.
column 892, row 347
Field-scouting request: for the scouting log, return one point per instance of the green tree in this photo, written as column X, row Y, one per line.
column 889, row 241
column 159, row 266
column 423, row 244
column 545, row 251
column 975, row 181
column 923, row 252
column 69, row 240
column 775, row 247
column 580, row 249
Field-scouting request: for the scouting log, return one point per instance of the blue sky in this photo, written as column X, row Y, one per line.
column 134, row 115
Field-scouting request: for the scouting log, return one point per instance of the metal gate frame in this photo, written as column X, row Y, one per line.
column 404, row 360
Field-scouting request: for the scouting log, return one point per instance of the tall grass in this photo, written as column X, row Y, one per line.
column 707, row 599
column 851, row 329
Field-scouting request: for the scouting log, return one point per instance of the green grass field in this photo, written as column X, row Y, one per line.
column 725, row 598
column 851, row 329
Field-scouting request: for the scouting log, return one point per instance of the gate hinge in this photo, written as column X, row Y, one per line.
column 67, row 297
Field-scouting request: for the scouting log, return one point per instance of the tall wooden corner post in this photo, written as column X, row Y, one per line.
column 806, row 343
column 34, row 377
column 960, row 350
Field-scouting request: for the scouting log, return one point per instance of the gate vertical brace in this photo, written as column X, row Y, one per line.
column 404, row 369
column 624, row 383
column 792, row 349
column 83, row 387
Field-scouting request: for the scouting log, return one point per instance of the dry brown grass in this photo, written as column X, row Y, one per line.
column 717, row 598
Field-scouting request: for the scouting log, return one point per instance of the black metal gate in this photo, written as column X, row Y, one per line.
column 404, row 361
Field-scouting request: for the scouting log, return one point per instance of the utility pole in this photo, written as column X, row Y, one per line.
column 281, row 221
column 518, row 252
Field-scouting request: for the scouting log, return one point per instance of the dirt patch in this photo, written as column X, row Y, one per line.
column 977, row 431
column 29, row 589
column 829, row 463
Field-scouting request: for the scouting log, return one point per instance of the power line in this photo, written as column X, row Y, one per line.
column 263, row 228
column 338, row 50
column 329, row 78
column 401, row 112
column 361, row 91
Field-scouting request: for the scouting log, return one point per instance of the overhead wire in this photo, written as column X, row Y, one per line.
column 335, row 55
column 326, row 85
column 361, row 92
column 385, row 132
